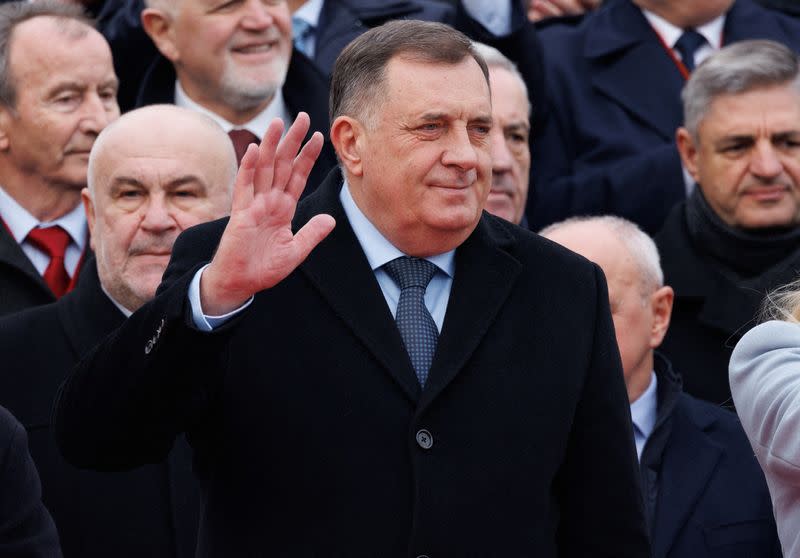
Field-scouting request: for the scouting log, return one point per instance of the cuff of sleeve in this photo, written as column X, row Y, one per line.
column 200, row 320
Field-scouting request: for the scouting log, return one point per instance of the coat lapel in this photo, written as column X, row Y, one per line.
column 683, row 480
column 339, row 270
column 485, row 275
column 86, row 313
column 12, row 255
column 631, row 67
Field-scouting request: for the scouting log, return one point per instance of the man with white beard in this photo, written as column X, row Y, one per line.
column 235, row 63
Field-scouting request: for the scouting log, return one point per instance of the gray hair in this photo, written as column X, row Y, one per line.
column 737, row 68
column 496, row 59
column 638, row 243
column 71, row 19
column 359, row 73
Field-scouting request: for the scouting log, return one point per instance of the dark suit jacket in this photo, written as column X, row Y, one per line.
column 608, row 145
column 26, row 529
column 711, row 312
column 151, row 511
column 21, row 286
column 306, row 415
column 705, row 493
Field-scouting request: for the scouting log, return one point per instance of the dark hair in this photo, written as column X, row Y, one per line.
column 14, row 13
column 359, row 73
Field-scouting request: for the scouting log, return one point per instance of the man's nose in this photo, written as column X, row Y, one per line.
column 764, row 161
column 460, row 151
column 256, row 16
column 501, row 154
column 97, row 113
column 157, row 216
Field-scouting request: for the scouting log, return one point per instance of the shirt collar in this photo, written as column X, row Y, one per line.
column 378, row 249
column 711, row 31
column 309, row 12
column 125, row 312
column 644, row 410
column 20, row 222
column 258, row 125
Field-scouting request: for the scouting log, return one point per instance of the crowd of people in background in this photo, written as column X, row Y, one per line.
column 416, row 278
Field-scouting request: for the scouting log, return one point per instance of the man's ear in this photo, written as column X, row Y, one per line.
column 347, row 136
column 661, row 305
column 88, row 208
column 158, row 25
column 688, row 148
column 6, row 117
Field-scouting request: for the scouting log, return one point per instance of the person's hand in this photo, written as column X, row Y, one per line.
column 258, row 249
column 542, row 9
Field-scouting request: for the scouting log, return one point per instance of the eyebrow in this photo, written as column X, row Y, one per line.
column 121, row 181
column 518, row 126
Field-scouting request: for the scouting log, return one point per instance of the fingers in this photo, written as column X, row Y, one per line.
column 243, row 185
column 312, row 234
column 288, row 148
column 302, row 165
column 263, row 176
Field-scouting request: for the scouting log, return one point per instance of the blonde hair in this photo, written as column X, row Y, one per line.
column 783, row 304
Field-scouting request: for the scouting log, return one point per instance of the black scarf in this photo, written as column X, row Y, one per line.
column 739, row 253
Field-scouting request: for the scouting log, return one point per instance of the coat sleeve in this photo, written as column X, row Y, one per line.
column 153, row 378
column 602, row 507
column 765, row 383
column 26, row 528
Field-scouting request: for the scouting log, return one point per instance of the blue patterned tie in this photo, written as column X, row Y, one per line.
column 415, row 323
column 302, row 31
column 687, row 44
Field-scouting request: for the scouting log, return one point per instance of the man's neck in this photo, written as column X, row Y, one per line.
column 42, row 199
column 235, row 116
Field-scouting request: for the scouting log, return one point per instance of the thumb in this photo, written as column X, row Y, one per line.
column 312, row 233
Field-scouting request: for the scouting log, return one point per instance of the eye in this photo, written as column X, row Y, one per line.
column 67, row 100
column 480, row 129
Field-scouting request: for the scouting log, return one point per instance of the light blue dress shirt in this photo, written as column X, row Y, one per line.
column 644, row 412
column 378, row 251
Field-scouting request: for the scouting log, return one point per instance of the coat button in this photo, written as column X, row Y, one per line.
column 424, row 439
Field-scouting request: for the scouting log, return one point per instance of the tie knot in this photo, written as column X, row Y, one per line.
column 52, row 240
column 410, row 272
column 242, row 138
column 687, row 44
column 302, row 33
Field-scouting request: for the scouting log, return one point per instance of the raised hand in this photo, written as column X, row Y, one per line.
column 258, row 249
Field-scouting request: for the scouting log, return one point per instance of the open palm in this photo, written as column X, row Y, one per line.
column 258, row 248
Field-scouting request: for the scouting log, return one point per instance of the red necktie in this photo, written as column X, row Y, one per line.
column 241, row 138
column 53, row 241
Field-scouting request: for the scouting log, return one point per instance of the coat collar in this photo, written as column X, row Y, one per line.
column 690, row 456
column 693, row 276
column 11, row 254
column 88, row 315
column 620, row 43
column 340, row 271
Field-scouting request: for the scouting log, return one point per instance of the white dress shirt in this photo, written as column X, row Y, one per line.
column 20, row 222
column 712, row 31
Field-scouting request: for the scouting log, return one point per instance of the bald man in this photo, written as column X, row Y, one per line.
column 703, row 488
column 153, row 173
